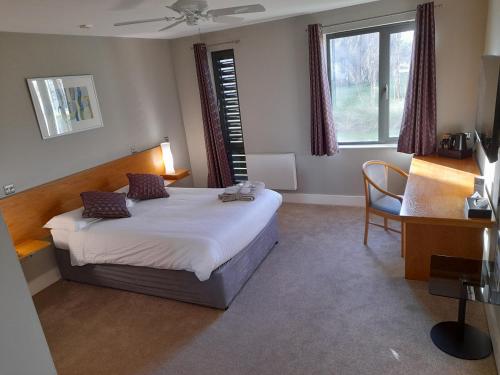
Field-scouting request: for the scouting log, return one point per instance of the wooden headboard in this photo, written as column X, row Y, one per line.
column 26, row 212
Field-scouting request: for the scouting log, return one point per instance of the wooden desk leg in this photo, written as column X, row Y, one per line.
column 403, row 239
column 423, row 240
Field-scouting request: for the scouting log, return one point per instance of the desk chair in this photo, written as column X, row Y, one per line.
column 378, row 200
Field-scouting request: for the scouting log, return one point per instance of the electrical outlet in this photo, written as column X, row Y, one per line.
column 133, row 150
column 9, row 189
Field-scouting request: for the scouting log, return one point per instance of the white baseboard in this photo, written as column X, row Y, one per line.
column 325, row 199
column 44, row 280
column 491, row 317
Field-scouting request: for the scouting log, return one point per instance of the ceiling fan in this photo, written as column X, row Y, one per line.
column 193, row 11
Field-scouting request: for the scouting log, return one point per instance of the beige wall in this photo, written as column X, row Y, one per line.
column 492, row 45
column 135, row 86
column 272, row 67
column 492, row 170
column 24, row 348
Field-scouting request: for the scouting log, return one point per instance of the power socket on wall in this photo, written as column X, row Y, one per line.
column 9, row 189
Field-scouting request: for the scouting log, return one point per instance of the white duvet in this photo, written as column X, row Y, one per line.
column 191, row 230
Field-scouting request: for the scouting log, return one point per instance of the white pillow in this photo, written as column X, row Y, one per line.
column 71, row 221
column 122, row 190
column 128, row 201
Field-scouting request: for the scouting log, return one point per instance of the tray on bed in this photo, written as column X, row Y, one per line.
column 218, row 291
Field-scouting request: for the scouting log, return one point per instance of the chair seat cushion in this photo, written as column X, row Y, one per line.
column 387, row 204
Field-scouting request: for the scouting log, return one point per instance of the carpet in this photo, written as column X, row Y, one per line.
column 320, row 303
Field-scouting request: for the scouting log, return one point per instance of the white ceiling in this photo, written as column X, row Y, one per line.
column 65, row 16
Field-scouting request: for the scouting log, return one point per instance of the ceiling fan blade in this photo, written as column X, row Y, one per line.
column 172, row 25
column 228, row 19
column 142, row 21
column 173, row 9
column 254, row 8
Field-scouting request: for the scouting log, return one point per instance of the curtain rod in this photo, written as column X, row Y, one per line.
column 375, row 17
column 235, row 41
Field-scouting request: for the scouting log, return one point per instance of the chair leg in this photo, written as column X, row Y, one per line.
column 367, row 223
column 385, row 223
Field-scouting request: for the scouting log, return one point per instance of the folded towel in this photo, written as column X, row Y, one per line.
column 244, row 191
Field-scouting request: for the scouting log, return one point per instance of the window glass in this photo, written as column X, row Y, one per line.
column 400, row 50
column 355, row 87
column 369, row 71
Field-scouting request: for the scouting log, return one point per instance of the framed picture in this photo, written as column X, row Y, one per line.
column 65, row 105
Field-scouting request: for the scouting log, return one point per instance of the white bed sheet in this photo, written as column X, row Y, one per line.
column 191, row 230
column 60, row 238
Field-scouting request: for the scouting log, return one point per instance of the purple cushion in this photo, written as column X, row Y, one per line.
column 104, row 205
column 146, row 186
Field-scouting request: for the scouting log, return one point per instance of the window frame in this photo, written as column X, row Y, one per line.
column 385, row 32
column 215, row 56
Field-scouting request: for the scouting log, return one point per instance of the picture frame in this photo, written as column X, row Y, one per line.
column 65, row 105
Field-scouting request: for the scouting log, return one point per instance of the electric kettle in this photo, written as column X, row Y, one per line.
column 458, row 142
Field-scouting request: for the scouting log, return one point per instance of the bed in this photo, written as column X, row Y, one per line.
column 189, row 247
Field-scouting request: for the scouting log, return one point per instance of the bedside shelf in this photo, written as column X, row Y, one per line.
column 30, row 247
column 178, row 175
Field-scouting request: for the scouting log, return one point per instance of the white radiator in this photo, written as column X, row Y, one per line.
column 277, row 171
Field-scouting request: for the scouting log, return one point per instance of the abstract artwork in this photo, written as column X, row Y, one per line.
column 65, row 105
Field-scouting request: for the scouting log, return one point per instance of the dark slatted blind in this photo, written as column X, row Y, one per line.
column 226, row 87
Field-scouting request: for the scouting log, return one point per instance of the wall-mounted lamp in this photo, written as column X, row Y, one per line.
column 168, row 159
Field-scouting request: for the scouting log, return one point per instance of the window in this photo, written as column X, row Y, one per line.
column 226, row 87
column 368, row 71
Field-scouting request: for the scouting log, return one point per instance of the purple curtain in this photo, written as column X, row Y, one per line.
column 323, row 138
column 418, row 127
column 219, row 172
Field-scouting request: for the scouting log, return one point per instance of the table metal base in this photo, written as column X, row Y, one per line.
column 461, row 340
column 464, row 280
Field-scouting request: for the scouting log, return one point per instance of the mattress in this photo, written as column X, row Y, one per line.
column 191, row 230
column 218, row 291
column 60, row 237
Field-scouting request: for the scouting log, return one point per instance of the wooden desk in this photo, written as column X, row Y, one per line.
column 434, row 221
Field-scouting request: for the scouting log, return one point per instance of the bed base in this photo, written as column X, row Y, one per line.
column 218, row 291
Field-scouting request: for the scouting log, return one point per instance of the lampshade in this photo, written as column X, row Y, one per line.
column 168, row 159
